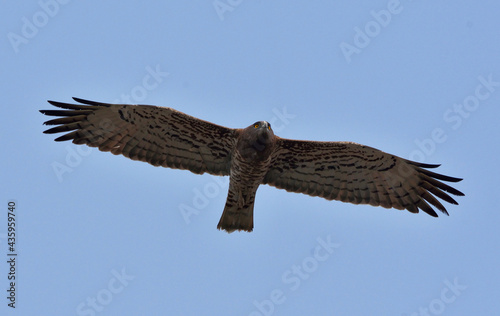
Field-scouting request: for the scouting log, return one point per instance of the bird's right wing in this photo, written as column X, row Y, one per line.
column 158, row 135
column 358, row 174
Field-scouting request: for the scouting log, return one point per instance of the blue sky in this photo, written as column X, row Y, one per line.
column 99, row 234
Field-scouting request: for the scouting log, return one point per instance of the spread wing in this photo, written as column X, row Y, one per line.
column 157, row 135
column 358, row 174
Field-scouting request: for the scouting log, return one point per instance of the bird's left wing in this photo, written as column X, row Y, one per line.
column 358, row 174
column 158, row 135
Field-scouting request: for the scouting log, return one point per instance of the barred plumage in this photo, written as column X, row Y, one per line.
column 343, row 171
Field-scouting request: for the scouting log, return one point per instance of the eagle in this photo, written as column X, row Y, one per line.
column 251, row 156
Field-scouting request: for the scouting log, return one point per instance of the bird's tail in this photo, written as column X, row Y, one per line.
column 238, row 213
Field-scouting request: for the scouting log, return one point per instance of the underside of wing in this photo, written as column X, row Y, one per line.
column 358, row 174
column 158, row 135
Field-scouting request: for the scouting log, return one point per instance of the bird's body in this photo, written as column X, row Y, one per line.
column 251, row 161
column 343, row 171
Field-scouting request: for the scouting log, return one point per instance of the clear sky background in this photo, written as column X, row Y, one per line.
column 99, row 234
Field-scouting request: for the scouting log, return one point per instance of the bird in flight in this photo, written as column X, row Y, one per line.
column 252, row 156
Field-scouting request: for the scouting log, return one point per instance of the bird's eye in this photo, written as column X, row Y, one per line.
column 269, row 126
column 256, row 125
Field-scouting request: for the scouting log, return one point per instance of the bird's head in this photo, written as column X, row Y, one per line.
column 257, row 139
column 262, row 134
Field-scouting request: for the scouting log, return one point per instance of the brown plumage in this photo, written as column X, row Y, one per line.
column 343, row 171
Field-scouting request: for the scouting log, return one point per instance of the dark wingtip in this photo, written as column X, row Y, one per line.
column 423, row 165
column 453, row 179
column 88, row 102
column 79, row 100
column 433, row 213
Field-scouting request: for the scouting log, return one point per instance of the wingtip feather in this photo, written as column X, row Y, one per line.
column 92, row 103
